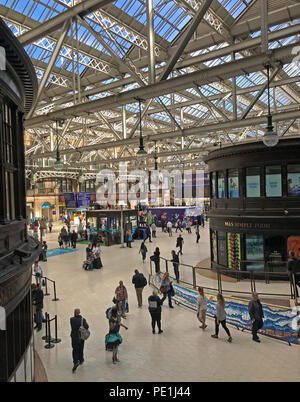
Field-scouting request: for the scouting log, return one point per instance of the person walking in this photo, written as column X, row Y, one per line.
column 256, row 315
column 188, row 226
column 155, row 311
column 166, row 289
column 175, row 260
column 139, row 282
column 77, row 343
column 50, row 225
column 179, row 243
column 122, row 295
column 197, row 234
column 170, row 227
column 220, row 318
column 294, row 274
column 38, row 302
column 113, row 339
column 202, row 307
column 128, row 238
column 143, row 251
column 153, row 227
column 97, row 261
column 73, row 239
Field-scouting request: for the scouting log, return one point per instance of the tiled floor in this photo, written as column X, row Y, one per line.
column 182, row 353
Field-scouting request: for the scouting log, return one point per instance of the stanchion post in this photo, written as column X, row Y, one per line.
column 54, row 286
column 194, row 277
column 49, row 340
column 167, row 270
column 46, row 286
column 56, row 339
column 45, row 338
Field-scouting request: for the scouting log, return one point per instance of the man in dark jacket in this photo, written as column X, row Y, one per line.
column 179, row 243
column 175, row 260
column 74, row 239
column 293, row 264
column 256, row 315
column 38, row 301
column 139, row 282
column 77, row 343
column 155, row 311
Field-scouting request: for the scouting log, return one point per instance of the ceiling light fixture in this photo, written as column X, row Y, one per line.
column 270, row 138
column 141, row 150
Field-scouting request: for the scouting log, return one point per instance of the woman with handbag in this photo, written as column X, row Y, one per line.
column 113, row 339
column 166, row 289
column 97, row 264
column 202, row 306
column 220, row 318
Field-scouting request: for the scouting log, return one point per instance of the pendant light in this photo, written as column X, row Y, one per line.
column 270, row 138
column 155, row 157
column 141, row 150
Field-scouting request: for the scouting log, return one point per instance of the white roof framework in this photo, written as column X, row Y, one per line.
column 199, row 67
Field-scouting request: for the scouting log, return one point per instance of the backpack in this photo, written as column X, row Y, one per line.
column 83, row 332
column 143, row 280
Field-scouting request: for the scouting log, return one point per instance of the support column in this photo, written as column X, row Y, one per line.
column 3, row 215
column 264, row 25
column 182, row 126
column 234, row 95
column 124, row 121
column 151, row 41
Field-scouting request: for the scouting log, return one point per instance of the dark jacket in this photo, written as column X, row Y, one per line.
column 175, row 260
column 138, row 280
column 255, row 310
column 74, row 236
column 293, row 264
column 155, row 256
column 75, row 325
column 38, row 298
column 156, row 301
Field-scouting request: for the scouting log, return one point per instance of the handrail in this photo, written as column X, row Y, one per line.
column 238, row 273
column 54, row 286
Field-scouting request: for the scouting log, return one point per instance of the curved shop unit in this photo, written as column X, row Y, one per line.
column 255, row 206
column 18, row 88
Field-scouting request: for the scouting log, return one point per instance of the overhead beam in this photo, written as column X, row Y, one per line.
column 192, row 26
column 83, row 8
column 209, row 75
column 202, row 131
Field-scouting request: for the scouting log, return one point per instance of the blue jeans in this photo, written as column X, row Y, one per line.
column 169, row 298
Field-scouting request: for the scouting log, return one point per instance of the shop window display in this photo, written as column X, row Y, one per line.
column 273, row 181
column 222, row 254
column 253, row 182
column 255, row 252
column 214, row 246
column 233, row 183
column 234, row 250
column 293, row 180
column 221, row 185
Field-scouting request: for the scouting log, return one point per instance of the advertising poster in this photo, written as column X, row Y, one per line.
column 255, row 252
column 273, row 185
column 233, row 187
column 253, row 186
column 222, row 255
column 293, row 184
column 70, row 200
column 221, row 187
column 213, row 187
column 293, row 243
column 84, row 200
column 234, row 250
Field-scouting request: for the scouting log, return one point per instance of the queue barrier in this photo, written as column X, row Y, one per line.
column 50, row 342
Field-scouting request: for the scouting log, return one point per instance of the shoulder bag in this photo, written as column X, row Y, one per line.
column 83, row 332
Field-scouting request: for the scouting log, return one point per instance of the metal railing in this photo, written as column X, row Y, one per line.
column 46, row 285
column 252, row 276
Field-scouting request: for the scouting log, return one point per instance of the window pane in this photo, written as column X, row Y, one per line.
column 221, row 185
column 214, row 245
column 12, row 198
column 253, row 182
column 255, row 252
column 213, row 184
column 273, row 181
column 222, row 255
column 293, row 179
column 233, row 183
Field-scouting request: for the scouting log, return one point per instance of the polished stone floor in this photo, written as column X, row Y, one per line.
column 182, row 353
